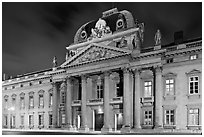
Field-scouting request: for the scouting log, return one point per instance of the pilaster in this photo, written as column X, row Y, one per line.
column 68, row 107
column 55, row 106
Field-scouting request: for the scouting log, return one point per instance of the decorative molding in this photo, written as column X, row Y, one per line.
column 6, row 97
column 22, row 94
column 170, row 74
column 41, row 91
column 13, row 95
column 31, row 93
column 194, row 71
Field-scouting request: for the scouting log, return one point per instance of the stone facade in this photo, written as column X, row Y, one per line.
column 108, row 84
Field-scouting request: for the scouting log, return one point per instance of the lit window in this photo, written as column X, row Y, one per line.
column 193, row 85
column 63, row 118
column 193, row 118
column 147, row 88
column 41, row 119
column 169, row 117
column 99, row 91
column 13, row 121
column 148, row 117
column 169, row 87
column 31, row 120
column 41, row 100
column 31, row 102
column 192, row 57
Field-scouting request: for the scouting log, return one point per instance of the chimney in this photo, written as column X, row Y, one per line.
column 178, row 37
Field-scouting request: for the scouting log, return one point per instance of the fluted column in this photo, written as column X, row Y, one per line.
column 68, row 107
column 83, row 105
column 106, row 127
column 137, row 108
column 126, row 101
column 55, row 105
column 158, row 97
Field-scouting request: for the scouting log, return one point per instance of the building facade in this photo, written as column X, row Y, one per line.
column 110, row 82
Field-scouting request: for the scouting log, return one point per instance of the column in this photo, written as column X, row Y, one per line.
column 126, row 101
column 137, row 108
column 54, row 105
column 83, row 105
column 158, row 97
column 106, row 127
column 68, row 107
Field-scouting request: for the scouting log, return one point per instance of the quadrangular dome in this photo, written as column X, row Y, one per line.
column 111, row 22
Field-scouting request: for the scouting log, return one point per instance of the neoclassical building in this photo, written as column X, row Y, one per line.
column 110, row 82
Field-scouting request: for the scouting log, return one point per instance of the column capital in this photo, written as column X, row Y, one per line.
column 84, row 77
column 126, row 70
column 158, row 69
column 137, row 71
column 107, row 73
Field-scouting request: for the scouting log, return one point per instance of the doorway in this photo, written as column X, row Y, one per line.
column 98, row 121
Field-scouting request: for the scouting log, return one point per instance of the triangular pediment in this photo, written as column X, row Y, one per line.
column 95, row 52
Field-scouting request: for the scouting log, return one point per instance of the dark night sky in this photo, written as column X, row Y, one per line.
column 33, row 33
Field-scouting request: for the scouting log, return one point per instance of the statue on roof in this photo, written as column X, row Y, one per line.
column 157, row 38
column 54, row 61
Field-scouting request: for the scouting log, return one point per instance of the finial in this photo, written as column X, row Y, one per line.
column 54, row 62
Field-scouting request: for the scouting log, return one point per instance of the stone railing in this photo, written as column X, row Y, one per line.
column 194, row 44
column 76, row 102
column 95, row 101
column 147, row 99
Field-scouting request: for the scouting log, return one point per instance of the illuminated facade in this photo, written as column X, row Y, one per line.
column 110, row 82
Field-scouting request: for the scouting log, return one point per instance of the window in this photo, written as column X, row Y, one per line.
column 30, row 84
column 169, row 60
column 50, row 119
column 31, row 120
column 193, row 85
column 13, row 101
column 5, row 120
column 193, row 116
column 147, row 88
column 100, row 91
column 22, row 103
column 41, row 119
column 169, row 86
column 50, row 99
column 22, row 120
column 193, row 57
column 13, row 121
column 118, row 90
column 6, row 103
column 41, row 100
column 63, row 97
column 147, row 117
column 31, row 102
column 63, row 118
column 169, row 117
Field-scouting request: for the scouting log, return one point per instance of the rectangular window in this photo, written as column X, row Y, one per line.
column 169, row 60
column 22, row 120
column 99, row 91
column 13, row 102
column 118, row 90
column 63, row 97
column 50, row 99
column 147, row 88
column 5, row 120
column 6, row 103
column 41, row 119
column 169, row 117
column 193, row 85
column 41, row 100
column 193, row 118
column 50, row 119
column 169, row 87
column 22, row 102
column 63, row 118
column 31, row 102
column 193, row 57
column 13, row 121
column 31, row 120
column 148, row 117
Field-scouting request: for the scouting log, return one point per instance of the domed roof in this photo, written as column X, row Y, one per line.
column 112, row 21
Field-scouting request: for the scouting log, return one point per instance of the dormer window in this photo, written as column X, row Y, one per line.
column 169, row 60
column 193, row 57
